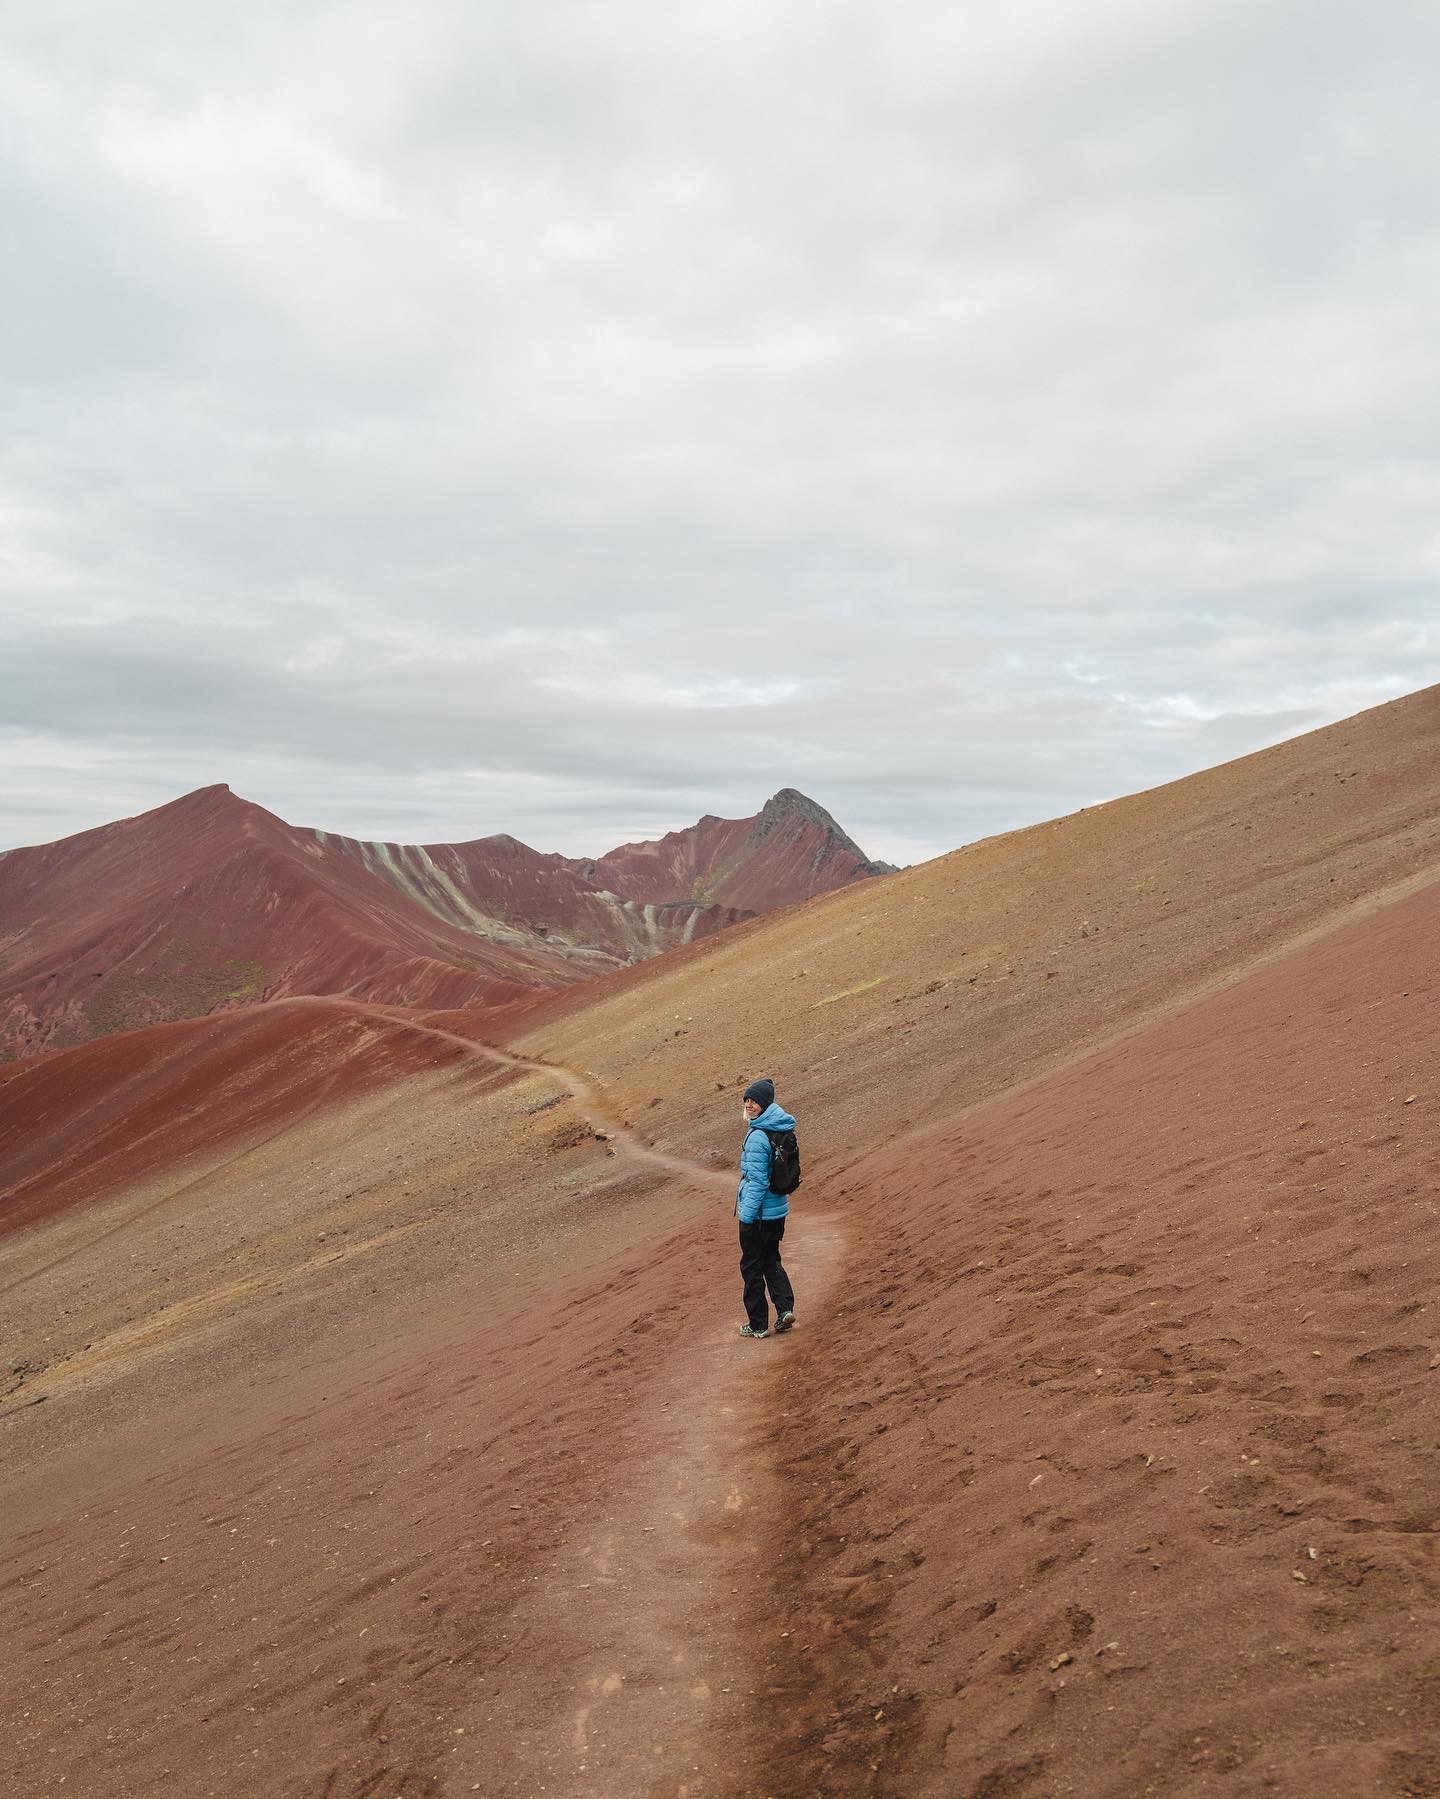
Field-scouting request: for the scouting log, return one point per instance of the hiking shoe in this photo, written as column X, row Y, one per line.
column 747, row 1330
column 784, row 1322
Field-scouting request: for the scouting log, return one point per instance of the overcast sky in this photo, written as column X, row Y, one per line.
column 441, row 418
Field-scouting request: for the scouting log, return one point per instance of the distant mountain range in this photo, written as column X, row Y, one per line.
column 211, row 902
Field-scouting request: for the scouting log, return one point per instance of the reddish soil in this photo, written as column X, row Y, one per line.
column 1114, row 1470
column 332, row 1585
column 88, row 1122
column 400, row 1442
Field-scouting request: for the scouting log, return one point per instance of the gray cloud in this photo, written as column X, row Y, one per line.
column 566, row 422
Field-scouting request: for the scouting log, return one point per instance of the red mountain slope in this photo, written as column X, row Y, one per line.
column 1118, row 1454
column 212, row 902
column 793, row 847
column 91, row 1121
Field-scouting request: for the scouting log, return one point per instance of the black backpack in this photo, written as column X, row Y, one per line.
column 784, row 1161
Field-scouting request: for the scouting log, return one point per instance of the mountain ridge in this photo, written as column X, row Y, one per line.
column 210, row 901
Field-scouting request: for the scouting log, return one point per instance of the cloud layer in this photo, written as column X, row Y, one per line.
column 567, row 420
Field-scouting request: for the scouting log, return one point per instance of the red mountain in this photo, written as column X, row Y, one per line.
column 211, row 902
column 793, row 846
column 635, row 900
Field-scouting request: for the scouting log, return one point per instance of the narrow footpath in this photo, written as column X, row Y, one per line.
column 660, row 1611
column 514, row 1531
column 587, row 1098
column 637, row 1668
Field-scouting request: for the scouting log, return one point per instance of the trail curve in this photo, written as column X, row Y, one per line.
column 587, row 1098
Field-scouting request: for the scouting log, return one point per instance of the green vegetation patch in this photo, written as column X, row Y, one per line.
column 185, row 980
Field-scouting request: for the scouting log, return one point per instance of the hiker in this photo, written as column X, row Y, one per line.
column 769, row 1172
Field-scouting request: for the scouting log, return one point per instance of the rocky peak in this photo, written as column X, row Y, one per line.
column 789, row 803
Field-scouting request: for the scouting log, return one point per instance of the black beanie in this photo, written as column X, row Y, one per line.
column 762, row 1092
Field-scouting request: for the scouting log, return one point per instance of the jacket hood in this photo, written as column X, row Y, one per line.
column 773, row 1118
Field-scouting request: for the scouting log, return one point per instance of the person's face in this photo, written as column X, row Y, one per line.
column 750, row 1109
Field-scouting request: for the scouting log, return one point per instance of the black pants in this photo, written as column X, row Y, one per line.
column 760, row 1268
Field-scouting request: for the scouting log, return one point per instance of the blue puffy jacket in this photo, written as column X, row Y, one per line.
column 755, row 1200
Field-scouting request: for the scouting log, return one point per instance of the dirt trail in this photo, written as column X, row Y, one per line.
column 658, row 1617
column 652, row 1617
column 536, row 1550
column 587, row 1098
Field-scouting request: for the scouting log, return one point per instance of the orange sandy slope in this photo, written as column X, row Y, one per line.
column 1112, row 1470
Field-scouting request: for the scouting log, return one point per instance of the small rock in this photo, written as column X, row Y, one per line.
column 1062, row 1660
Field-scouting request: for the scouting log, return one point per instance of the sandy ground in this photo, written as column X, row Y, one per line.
column 391, row 1436
column 1116, row 1464
column 393, row 1515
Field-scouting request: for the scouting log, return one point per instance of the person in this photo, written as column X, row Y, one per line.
column 762, row 1214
